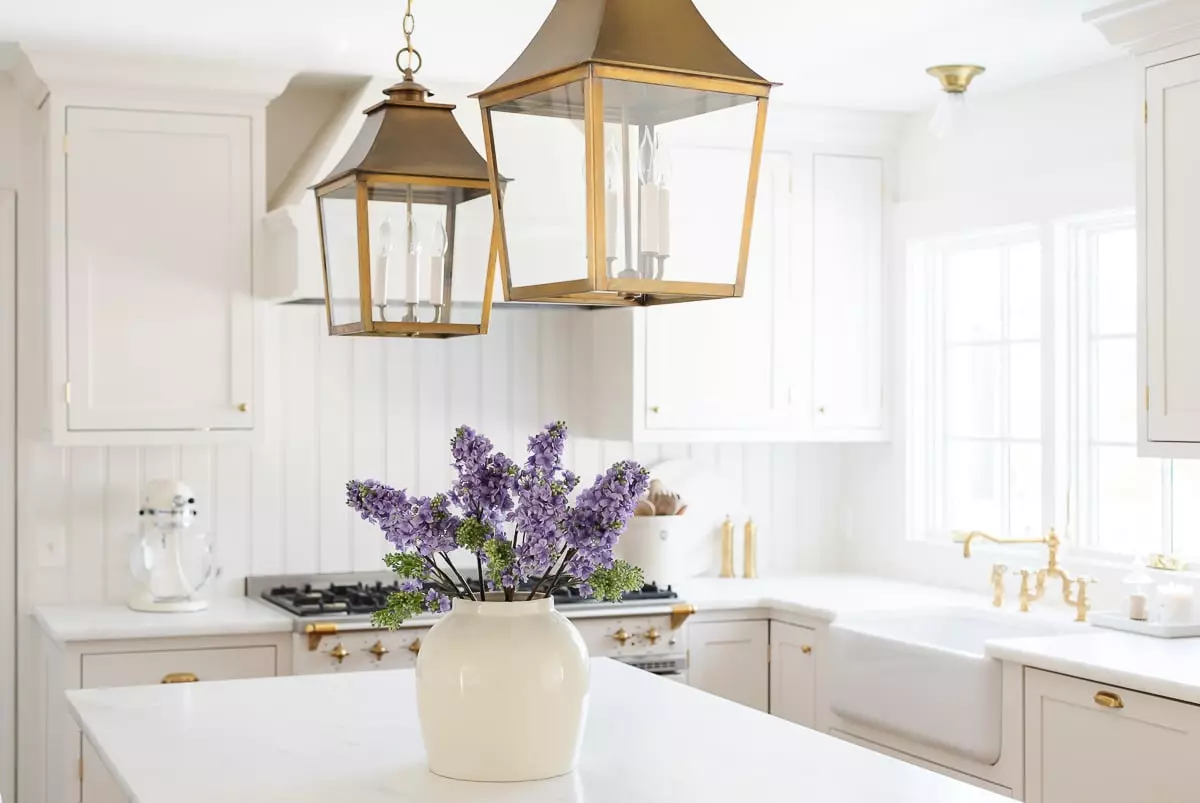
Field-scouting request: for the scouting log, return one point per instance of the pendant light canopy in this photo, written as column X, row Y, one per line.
column 656, row 129
column 406, row 221
column 955, row 80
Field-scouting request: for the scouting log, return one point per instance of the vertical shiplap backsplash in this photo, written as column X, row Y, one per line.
column 363, row 407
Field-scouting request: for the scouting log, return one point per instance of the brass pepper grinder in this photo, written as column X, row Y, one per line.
column 727, row 548
column 750, row 558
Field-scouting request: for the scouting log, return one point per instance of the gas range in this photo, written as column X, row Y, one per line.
column 334, row 631
column 350, row 599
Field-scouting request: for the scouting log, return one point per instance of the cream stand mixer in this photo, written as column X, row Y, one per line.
column 170, row 561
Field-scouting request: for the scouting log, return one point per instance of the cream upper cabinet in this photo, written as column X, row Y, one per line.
column 159, row 238
column 1088, row 741
column 729, row 659
column 847, row 292
column 793, row 677
column 1171, row 253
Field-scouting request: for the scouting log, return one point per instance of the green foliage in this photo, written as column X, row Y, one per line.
column 407, row 565
column 610, row 584
column 500, row 555
column 472, row 534
column 401, row 606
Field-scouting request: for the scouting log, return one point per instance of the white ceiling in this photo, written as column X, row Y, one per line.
column 861, row 53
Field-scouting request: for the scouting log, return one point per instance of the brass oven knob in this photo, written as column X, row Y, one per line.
column 378, row 650
column 620, row 637
column 415, row 647
column 652, row 635
column 339, row 652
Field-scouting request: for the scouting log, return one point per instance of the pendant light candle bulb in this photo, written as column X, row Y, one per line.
column 648, row 196
column 379, row 292
column 612, row 169
column 437, row 264
column 662, row 169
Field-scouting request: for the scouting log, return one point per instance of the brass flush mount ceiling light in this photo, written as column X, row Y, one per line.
column 654, row 130
column 407, row 230
column 955, row 79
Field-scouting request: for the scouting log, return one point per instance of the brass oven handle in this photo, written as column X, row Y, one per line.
column 339, row 652
column 652, row 635
column 378, row 650
column 415, row 647
column 180, row 677
column 620, row 636
column 1109, row 699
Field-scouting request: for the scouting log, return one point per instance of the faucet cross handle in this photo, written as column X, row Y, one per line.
column 1026, row 595
column 1082, row 603
column 999, row 570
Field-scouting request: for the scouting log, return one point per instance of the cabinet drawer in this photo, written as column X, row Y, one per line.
column 146, row 668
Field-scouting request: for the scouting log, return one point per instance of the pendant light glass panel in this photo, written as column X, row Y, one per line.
column 677, row 163
column 541, row 145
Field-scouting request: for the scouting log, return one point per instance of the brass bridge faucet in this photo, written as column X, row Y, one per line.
column 1078, row 600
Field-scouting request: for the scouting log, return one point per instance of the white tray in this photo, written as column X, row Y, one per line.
column 1114, row 620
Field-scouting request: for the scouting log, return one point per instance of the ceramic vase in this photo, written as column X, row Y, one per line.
column 502, row 691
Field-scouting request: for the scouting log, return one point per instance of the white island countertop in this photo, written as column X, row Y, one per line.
column 223, row 617
column 354, row 737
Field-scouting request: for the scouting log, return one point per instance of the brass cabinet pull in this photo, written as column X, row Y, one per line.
column 1109, row 699
column 806, row 649
column 243, row 408
column 180, row 677
column 415, row 647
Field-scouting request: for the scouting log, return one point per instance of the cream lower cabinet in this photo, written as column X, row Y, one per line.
column 1087, row 741
column 729, row 659
column 793, row 675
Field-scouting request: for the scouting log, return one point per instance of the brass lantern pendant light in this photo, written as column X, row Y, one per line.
column 655, row 132
column 407, row 228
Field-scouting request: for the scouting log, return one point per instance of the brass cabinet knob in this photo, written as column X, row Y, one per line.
column 620, row 637
column 378, row 650
column 654, row 408
column 821, row 410
column 806, row 649
column 652, row 635
column 339, row 652
column 415, row 647
column 1109, row 699
column 180, row 677
column 243, row 408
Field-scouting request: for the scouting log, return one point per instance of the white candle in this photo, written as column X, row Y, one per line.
column 664, row 221
column 379, row 293
column 649, row 218
column 436, row 269
column 412, row 279
column 1176, row 603
column 610, row 224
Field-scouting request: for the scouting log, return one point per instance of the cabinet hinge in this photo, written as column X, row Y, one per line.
column 1145, row 111
column 768, row 652
column 67, row 392
column 81, row 768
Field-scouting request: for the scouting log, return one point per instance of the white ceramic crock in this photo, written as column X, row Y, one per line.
column 502, row 692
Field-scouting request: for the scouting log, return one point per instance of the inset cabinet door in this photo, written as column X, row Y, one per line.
column 793, row 674
column 1086, row 741
column 159, row 260
column 729, row 659
column 847, row 333
column 1172, row 251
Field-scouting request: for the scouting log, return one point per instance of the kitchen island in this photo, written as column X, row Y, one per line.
column 321, row 738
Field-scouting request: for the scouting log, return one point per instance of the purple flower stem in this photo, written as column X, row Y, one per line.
column 570, row 553
column 482, row 580
column 445, row 578
column 466, row 588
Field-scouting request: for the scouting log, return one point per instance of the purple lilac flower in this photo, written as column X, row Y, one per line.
column 486, row 479
column 425, row 526
column 436, row 601
column 601, row 514
column 374, row 501
column 543, row 490
column 411, row 584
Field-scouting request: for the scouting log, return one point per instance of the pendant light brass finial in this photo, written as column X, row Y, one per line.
column 955, row 78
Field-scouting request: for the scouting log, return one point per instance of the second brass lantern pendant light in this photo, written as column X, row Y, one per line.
column 655, row 131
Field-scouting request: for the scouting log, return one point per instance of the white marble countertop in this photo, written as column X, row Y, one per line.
column 1166, row 667
column 248, row 741
column 224, row 617
column 819, row 596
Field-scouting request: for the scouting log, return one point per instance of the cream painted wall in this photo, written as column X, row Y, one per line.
column 1060, row 147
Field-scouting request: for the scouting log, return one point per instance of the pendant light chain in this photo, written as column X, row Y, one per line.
column 410, row 25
